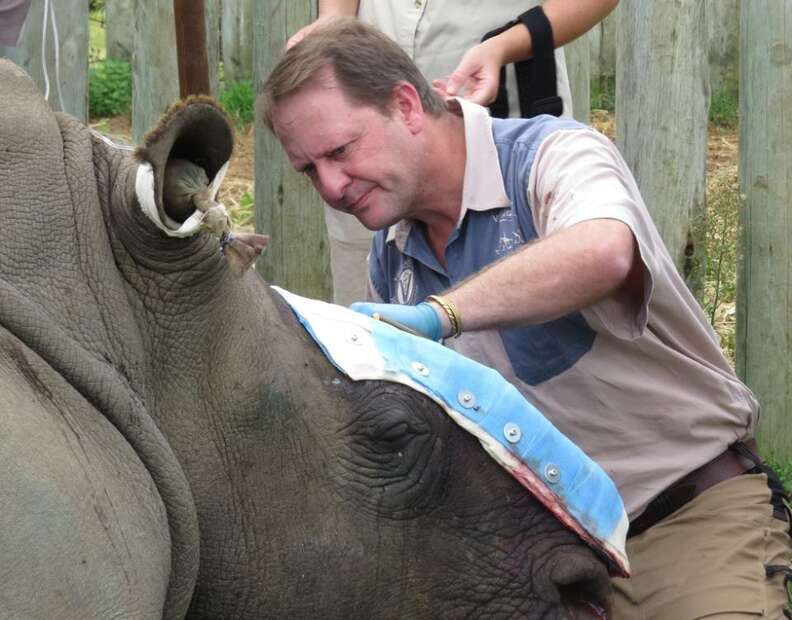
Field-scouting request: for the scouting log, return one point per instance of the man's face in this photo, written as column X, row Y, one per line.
column 360, row 161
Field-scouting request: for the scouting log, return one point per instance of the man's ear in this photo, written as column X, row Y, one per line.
column 408, row 107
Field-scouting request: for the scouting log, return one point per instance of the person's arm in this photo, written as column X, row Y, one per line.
column 548, row 279
column 478, row 72
column 328, row 9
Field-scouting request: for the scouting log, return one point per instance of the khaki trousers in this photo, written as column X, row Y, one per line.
column 350, row 242
column 708, row 559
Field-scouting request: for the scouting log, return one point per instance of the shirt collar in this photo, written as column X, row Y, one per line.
column 483, row 187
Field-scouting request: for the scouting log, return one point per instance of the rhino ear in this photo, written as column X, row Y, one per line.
column 196, row 130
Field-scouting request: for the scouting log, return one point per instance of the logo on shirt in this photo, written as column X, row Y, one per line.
column 404, row 290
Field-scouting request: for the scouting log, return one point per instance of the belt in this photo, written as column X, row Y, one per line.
column 724, row 466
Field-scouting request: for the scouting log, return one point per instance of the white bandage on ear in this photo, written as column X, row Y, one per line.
column 144, row 190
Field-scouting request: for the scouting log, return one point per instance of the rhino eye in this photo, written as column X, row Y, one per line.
column 397, row 452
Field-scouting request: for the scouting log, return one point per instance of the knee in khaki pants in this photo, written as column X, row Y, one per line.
column 709, row 559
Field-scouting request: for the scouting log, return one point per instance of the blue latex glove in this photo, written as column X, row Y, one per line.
column 421, row 319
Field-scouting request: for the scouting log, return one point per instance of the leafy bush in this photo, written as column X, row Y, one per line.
column 110, row 88
column 724, row 107
column 237, row 98
column 603, row 93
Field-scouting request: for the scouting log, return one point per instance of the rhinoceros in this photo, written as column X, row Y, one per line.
column 174, row 444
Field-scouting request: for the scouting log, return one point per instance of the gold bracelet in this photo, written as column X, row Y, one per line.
column 451, row 311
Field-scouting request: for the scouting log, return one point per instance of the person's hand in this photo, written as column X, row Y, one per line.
column 476, row 77
column 306, row 30
column 422, row 319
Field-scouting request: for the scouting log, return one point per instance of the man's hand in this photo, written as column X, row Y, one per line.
column 423, row 319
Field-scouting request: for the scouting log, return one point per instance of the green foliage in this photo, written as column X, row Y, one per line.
column 783, row 467
column 96, row 38
column 237, row 99
column 724, row 107
column 724, row 202
column 96, row 5
column 110, row 88
column 603, row 93
column 243, row 216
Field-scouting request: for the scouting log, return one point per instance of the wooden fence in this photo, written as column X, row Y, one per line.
column 667, row 59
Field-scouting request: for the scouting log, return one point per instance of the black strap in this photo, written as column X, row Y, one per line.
column 536, row 77
column 779, row 497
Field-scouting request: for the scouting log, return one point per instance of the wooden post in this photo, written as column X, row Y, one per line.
column 120, row 29
column 193, row 61
column 213, row 10
column 154, row 68
column 578, row 59
column 154, row 65
column 237, row 37
column 662, row 100
column 68, row 77
column 764, row 321
column 287, row 206
column 723, row 25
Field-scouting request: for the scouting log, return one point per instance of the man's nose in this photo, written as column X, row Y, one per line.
column 331, row 182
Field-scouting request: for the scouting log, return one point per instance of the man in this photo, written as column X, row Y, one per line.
column 555, row 275
column 443, row 39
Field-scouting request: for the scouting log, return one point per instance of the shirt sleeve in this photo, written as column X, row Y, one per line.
column 579, row 175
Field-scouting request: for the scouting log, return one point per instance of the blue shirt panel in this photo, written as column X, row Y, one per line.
column 538, row 352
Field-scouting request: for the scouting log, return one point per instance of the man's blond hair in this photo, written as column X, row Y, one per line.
column 365, row 63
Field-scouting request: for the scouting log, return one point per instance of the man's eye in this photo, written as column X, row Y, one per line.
column 340, row 151
column 308, row 170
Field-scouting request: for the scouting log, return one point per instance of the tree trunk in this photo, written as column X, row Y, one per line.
column 764, row 321
column 120, row 29
column 237, row 36
column 662, row 99
column 287, row 207
column 66, row 53
column 723, row 24
column 155, row 71
column 578, row 59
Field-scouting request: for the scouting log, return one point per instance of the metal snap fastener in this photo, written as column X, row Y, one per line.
column 512, row 432
column 552, row 473
column 467, row 399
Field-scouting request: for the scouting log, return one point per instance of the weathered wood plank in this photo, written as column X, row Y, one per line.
column 237, row 37
column 155, row 72
column 154, row 68
column 578, row 59
column 723, row 26
column 764, row 319
column 68, row 78
column 120, row 29
column 287, row 207
column 662, row 100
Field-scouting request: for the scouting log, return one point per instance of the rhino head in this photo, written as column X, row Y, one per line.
column 173, row 443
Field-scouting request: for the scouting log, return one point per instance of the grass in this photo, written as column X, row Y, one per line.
column 603, row 93
column 238, row 99
column 783, row 467
column 724, row 203
column 724, row 107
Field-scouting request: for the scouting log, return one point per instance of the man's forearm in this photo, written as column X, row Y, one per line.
column 548, row 279
column 345, row 8
column 569, row 19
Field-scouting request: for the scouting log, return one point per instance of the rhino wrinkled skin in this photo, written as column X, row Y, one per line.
column 173, row 445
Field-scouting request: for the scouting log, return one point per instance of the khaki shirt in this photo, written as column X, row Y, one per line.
column 437, row 33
